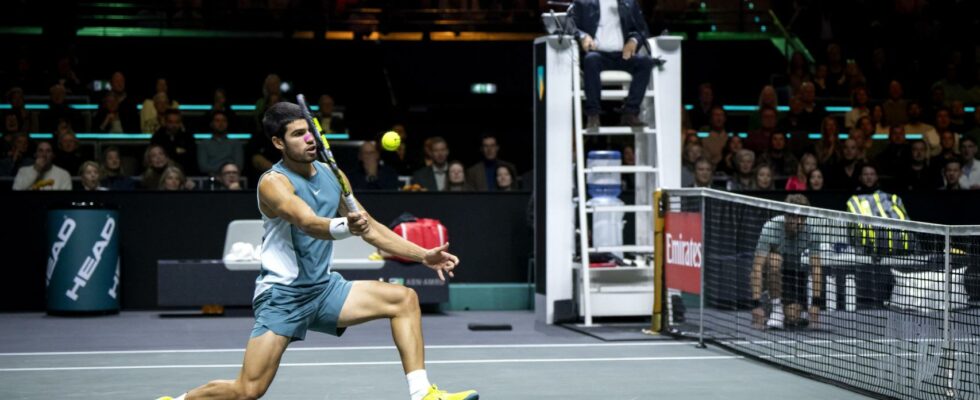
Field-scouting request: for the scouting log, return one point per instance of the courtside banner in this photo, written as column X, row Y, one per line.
column 684, row 251
column 83, row 260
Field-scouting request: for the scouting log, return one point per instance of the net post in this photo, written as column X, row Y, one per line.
column 948, row 352
column 701, row 272
column 657, row 320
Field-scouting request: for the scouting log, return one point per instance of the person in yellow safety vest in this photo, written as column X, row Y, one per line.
column 872, row 201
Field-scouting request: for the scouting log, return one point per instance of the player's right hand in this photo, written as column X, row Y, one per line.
column 587, row 43
column 358, row 223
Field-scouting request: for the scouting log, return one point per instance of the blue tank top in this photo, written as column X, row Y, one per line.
column 290, row 257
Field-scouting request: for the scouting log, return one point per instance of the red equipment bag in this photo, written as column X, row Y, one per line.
column 425, row 232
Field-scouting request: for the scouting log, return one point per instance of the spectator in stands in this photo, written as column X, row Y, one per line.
column 90, row 177
column 815, row 181
column 868, row 180
column 958, row 119
column 763, row 178
column 58, row 110
column 154, row 110
column 457, row 178
column 947, row 149
column 859, row 107
column 951, row 86
column 17, row 157
column 812, row 113
column 936, row 103
column 780, row 159
column 108, row 116
column 155, row 160
column 114, row 178
column 401, row 160
column 896, row 154
column 483, row 174
column 952, row 175
column 717, row 136
column 230, row 176
column 918, row 174
column 126, row 112
column 821, row 85
column 219, row 103
column 798, row 182
column 767, row 100
column 853, row 78
column 759, row 139
column 878, row 118
column 700, row 115
column 836, row 71
column 879, row 74
column 792, row 122
column 151, row 116
column 828, row 149
column 727, row 164
column 328, row 121
column 433, row 177
column 845, row 174
column 863, row 134
column 612, row 43
column 505, row 179
column 68, row 155
column 43, row 175
column 944, row 123
column 692, row 152
column 704, row 173
column 370, row 173
column 799, row 71
column 917, row 126
column 271, row 90
column 15, row 97
column 744, row 176
column 11, row 128
column 970, row 166
column 896, row 107
column 211, row 154
column 176, row 141
column 66, row 77
column 172, row 179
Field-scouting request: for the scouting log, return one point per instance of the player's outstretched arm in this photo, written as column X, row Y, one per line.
column 277, row 196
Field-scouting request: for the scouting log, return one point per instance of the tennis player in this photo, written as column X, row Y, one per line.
column 296, row 291
column 783, row 242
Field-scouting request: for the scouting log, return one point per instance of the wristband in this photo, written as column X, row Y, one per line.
column 339, row 229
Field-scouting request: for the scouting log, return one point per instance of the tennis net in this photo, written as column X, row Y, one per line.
column 885, row 307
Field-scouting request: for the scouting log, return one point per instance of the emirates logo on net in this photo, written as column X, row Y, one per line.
column 683, row 252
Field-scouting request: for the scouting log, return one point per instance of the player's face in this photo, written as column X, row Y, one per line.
column 297, row 143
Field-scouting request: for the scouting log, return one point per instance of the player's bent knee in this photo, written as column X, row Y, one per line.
column 410, row 300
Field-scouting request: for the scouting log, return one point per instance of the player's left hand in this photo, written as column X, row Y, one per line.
column 629, row 49
column 814, row 316
column 441, row 260
column 358, row 223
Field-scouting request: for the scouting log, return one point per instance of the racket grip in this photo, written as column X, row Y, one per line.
column 351, row 203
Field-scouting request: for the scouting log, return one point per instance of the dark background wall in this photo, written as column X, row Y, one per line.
column 487, row 231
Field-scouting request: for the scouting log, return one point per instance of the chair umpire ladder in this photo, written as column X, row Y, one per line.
column 650, row 149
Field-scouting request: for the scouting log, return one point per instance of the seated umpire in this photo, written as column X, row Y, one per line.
column 610, row 33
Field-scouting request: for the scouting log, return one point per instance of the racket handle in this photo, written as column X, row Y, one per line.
column 351, row 203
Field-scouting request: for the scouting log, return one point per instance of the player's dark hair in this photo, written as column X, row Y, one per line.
column 278, row 116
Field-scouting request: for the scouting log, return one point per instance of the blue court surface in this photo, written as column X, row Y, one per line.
column 139, row 355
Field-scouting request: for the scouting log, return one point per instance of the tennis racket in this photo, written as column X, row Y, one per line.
column 323, row 148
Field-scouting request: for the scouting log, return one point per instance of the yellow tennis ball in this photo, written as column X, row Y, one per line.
column 391, row 140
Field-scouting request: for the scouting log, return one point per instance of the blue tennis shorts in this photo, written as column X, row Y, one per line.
column 290, row 312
